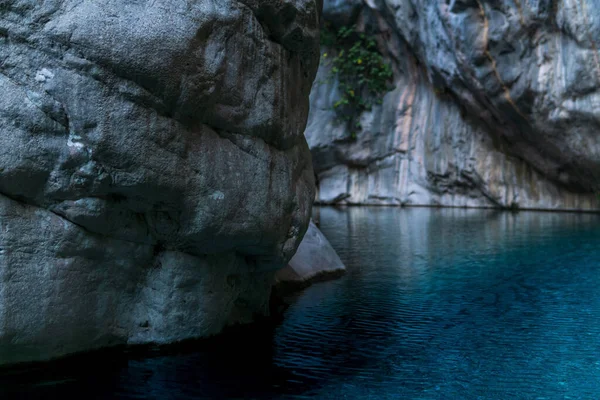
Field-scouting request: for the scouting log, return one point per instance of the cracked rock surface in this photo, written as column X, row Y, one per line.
column 153, row 170
column 496, row 104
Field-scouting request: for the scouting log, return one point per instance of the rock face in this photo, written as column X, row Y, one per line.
column 496, row 104
column 314, row 260
column 153, row 169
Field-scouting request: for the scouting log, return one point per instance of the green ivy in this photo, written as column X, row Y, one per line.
column 361, row 71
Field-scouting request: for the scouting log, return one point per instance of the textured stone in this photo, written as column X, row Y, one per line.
column 153, row 171
column 314, row 260
column 495, row 105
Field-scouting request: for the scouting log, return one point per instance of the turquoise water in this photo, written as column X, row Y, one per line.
column 436, row 304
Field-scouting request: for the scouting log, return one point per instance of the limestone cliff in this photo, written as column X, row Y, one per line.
column 496, row 104
column 153, row 169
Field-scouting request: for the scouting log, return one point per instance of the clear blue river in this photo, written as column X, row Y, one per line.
column 436, row 304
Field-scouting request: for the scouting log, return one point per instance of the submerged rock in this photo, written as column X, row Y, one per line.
column 314, row 260
column 153, row 169
column 495, row 104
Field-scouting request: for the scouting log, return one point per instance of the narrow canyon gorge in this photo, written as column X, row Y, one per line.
column 159, row 160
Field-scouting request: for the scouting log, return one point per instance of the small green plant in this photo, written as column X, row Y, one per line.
column 361, row 71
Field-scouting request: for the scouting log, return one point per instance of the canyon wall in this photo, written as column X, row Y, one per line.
column 153, row 168
column 495, row 104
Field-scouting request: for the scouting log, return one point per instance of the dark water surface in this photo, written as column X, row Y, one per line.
column 437, row 304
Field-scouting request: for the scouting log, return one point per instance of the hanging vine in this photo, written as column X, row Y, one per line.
column 361, row 71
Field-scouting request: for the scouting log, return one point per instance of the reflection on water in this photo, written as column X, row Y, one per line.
column 437, row 304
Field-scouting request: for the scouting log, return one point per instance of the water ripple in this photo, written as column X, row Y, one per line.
column 437, row 304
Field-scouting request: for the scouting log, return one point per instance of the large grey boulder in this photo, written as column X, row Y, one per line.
column 153, row 170
column 496, row 104
column 314, row 260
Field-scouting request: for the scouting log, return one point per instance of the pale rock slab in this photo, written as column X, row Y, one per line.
column 314, row 260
